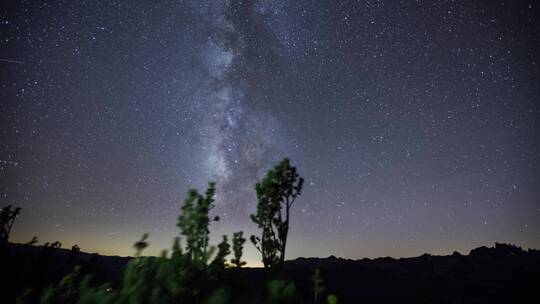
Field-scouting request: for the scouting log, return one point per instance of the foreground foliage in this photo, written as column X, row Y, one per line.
column 196, row 272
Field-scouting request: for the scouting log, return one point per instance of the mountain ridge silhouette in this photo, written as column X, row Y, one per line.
column 500, row 274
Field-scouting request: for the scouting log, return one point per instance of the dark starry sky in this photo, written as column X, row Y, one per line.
column 415, row 123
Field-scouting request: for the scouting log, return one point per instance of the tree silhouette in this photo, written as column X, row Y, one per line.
column 56, row 245
column 75, row 249
column 219, row 263
column 33, row 241
column 238, row 246
column 7, row 217
column 194, row 221
column 276, row 194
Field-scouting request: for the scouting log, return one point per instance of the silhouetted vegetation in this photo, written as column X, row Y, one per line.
column 140, row 245
column 198, row 272
column 194, row 273
column 276, row 194
column 187, row 275
column 33, row 241
column 194, row 221
column 238, row 247
column 318, row 287
column 7, row 218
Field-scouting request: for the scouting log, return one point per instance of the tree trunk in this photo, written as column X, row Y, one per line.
column 285, row 233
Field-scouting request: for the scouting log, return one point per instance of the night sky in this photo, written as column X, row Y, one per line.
column 414, row 123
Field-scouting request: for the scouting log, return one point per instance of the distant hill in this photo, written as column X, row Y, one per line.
column 500, row 274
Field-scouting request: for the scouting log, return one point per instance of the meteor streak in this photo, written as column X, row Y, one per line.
column 11, row 61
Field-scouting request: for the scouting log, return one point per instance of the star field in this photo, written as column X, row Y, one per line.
column 415, row 124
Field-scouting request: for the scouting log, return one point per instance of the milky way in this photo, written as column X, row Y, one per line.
column 415, row 124
column 238, row 142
